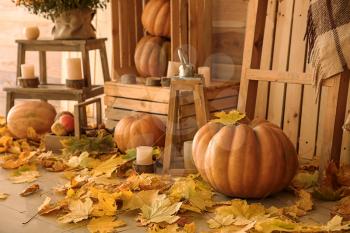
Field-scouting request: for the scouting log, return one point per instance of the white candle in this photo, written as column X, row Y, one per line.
column 205, row 71
column 73, row 68
column 27, row 71
column 173, row 68
column 188, row 158
column 144, row 155
column 31, row 33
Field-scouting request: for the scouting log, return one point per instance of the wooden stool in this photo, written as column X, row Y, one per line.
column 202, row 115
column 82, row 46
column 47, row 91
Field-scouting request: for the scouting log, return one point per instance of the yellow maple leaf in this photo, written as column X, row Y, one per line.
column 239, row 212
column 5, row 143
column 190, row 189
column 26, row 176
column 109, row 166
column 104, row 225
column 16, row 162
column 230, row 118
column 79, row 211
column 160, row 210
column 106, row 205
column 139, row 199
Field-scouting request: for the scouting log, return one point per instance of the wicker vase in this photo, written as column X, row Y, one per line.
column 74, row 25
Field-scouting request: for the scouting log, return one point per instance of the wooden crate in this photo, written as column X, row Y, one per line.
column 123, row 99
column 190, row 29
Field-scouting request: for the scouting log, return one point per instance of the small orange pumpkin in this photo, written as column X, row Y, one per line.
column 246, row 160
column 156, row 17
column 139, row 130
column 151, row 56
column 39, row 115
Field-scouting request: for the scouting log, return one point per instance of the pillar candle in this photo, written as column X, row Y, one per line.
column 27, row 71
column 188, row 159
column 73, row 68
column 144, row 155
column 31, row 33
column 206, row 72
column 173, row 68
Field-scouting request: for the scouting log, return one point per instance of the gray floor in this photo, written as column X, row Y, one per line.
column 16, row 209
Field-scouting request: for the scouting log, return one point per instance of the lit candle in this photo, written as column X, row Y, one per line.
column 205, row 71
column 173, row 68
column 31, row 33
column 188, row 158
column 27, row 71
column 144, row 155
column 73, row 68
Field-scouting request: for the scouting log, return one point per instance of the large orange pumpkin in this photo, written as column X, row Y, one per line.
column 151, row 56
column 156, row 17
column 139, row 130
column 39, row 115
column 246, row 160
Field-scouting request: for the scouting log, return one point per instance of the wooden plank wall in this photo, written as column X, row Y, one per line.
column 291, row 106
column 12, row 21
column 229, row 20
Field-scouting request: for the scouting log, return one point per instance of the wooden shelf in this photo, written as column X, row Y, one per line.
column 55, row 92
column 61, row 45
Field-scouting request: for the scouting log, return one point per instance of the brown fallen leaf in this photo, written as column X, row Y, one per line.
column 53, row 165
column 3, row 196
column 16, row 162
column 329, row 188
column 343, row 176
column 30, row 190
column 48, row 208
column 301, row 206
column 343, row 208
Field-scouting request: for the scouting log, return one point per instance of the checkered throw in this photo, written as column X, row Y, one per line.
column 328, row 38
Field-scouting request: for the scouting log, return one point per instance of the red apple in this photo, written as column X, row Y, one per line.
column 67, row 121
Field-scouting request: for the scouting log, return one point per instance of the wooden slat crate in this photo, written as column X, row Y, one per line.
column 190, row 29
column 123, row 99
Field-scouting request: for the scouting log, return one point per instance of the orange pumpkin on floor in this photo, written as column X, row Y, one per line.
column 156, row 17
column 139, row 130
column 39, row 115
column 151, row 56
column 246, row 160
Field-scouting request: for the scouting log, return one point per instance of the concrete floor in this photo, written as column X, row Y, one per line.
column 16, row 209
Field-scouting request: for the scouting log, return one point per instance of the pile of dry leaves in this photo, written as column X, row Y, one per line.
column 102, row 187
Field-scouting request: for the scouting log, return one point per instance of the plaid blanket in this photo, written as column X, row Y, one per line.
column 328, row 38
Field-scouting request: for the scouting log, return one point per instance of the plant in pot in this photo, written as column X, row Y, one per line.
column 72, row 19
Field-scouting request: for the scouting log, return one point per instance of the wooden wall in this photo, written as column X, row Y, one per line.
column 229, row 20
column 12, row 21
